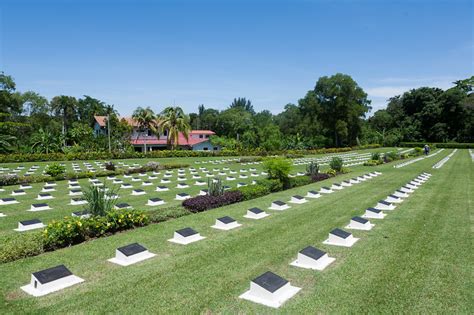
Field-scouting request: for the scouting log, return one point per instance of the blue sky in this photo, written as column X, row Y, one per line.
column 160, row 53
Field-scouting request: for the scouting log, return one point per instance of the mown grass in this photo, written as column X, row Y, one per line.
column 417, row 260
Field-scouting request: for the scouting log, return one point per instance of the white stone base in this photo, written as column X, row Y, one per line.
column 279, row 297
column 400, row 195
column 393, row 200
column 251, row 215
column 155, row 203
column 373, row 215
column 61, row 284
column 381, row 206
column 313, row 196
column 2, row 203
column 33, row 209
column 2, row 215
column 182, row 197
column 225, row 227
column 298, row 201
column 279, row 208
column 326, row 191
column 308, row 263
column 132, row 259
column 30, row 227
column 186, row 240
column 337, row 241
column 354, row 225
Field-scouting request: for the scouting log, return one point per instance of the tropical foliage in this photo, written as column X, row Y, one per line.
column 173, row 121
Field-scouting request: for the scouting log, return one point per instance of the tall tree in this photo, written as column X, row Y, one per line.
column 244, row 104
column 174, row 121
column 65, row 107
column 343, row 106
column 146, row 121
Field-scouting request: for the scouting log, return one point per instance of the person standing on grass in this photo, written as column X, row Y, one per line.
column 426, row 149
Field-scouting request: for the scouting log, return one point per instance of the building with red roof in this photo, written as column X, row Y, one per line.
column 197, row 140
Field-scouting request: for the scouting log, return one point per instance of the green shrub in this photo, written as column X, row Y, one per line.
column 417, row 151
column 376, row 156
column 6, row 180
column 372, row 162
column 215, row 187
column 110, row 166
column 345, row 170
column 165, row 214
column 391, row 156
column 336, row 164
column 312, row 169
column 299, row 181
column 273, row 185
column 253, row 191
column 99, row 201
column 331, row 172
column 278, row 168
column 19, row 246
column 55, row 169
column 75, row 230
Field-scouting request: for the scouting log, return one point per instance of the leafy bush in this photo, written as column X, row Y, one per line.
column 75, row 230
column 110, row 166
column 215, row 187
column 165, row 214
column 278, row 168
column 99, row 201
column 203, row 203
column 273, row 185
column 6, row 180
column 253, row 191
column 373, row 162
column 312, row 169
column 345, row 170
column 391, row 156
column 331, row 172
column 299, row 181
column 55, row 169
column 417, row 151
column 376, row 156
column 336, row 164
column 319, row 177
column 22, row 245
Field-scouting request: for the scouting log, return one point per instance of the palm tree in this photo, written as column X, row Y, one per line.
column 44, row 142
column 175, row 121
column 146, row 121
column 6, row 143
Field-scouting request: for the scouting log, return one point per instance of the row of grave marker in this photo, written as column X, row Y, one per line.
column 444, row 160
column 59, row 277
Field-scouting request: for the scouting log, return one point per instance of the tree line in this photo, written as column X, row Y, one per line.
column 332, row 114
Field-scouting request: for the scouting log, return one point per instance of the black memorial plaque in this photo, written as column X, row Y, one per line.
column 340, row 233
column 270, row 281
column 312, row 252
column 52, row 274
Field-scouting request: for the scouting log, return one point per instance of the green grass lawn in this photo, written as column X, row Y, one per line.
column 417, row 260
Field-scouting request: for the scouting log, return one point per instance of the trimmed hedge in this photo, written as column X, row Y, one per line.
column 447, row 145
column 34, row 157
column 206, row 202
